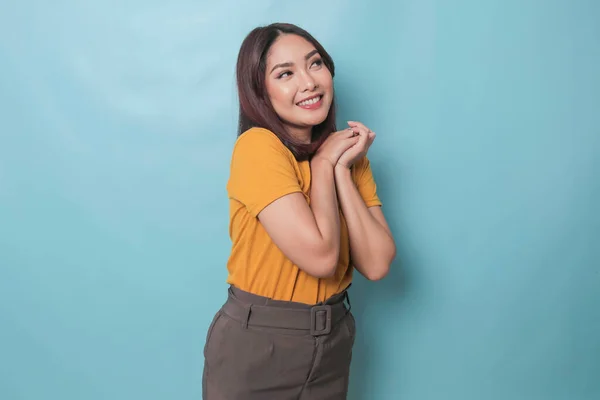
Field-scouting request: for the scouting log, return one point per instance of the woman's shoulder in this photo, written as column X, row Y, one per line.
column 259, row 160
column 259, row 139
column 261, row 146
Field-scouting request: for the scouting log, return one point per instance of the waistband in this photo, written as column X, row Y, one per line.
column 253, row 310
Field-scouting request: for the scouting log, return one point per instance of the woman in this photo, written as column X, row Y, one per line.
column 303, row 213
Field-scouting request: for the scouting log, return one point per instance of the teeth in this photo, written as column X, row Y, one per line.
column 309, row 102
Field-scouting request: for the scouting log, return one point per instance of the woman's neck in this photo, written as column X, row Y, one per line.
column 303, row 135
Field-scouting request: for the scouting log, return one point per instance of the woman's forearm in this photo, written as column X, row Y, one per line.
column 325, row 208
column 371, row 245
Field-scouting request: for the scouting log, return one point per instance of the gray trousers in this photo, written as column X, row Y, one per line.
column 262, row 349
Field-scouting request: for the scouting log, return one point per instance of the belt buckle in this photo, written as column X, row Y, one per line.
column 314, row 313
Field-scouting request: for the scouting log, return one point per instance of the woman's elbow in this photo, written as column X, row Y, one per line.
column 328, row 265
column 377, row 273
column 380, row 268
column 321, row 265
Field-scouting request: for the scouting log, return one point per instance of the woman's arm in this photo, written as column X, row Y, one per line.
column 372, row 246
column 309, row 235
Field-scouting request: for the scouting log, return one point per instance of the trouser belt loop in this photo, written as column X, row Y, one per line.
column 347, row 297
column 247, row 308
column 246, row 317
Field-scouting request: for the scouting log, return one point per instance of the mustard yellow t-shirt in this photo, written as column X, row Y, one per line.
column 263, row 170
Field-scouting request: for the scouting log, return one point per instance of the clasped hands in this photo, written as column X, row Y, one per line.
column 344, row 148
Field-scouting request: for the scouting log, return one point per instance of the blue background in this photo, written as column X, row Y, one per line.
column 117, row 121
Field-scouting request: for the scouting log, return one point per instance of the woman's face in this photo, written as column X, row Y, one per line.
column 298, row 83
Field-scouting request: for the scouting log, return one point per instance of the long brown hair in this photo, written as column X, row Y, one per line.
column 255, row 107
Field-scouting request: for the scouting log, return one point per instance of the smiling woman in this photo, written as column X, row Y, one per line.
column 300, row 90
column 304, row 212
column 277, row 69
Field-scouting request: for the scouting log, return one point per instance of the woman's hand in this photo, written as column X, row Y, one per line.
column 336, row 144
column 358, row 150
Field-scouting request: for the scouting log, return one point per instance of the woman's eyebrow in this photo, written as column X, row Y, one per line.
column 289, row 64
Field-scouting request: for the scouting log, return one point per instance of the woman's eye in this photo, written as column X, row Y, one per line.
column 284, row 74
column 318, row 62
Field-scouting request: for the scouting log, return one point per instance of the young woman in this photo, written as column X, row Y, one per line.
column 304, row 212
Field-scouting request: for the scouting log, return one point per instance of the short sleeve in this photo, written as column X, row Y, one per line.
column 262, row 170
column 365, row 182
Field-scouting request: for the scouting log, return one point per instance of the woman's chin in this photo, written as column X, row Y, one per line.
column 313, row 121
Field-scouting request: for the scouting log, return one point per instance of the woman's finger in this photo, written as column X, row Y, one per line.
column 351, row 142
column 361, row 130
column 371, row 136
column 363, row 141
column 346, row 133
column 359, row 125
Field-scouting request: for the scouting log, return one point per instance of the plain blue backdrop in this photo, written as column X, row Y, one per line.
column 117, row 122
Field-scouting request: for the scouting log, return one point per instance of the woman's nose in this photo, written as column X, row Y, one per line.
column 308, row 82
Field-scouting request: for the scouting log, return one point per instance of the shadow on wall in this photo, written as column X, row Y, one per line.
column 373, row 304
column 379, row 306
